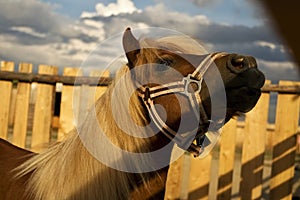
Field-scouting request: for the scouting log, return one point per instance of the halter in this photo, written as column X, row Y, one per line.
column 183, row 140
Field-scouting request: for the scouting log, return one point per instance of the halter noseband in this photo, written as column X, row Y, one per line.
column 183, row 140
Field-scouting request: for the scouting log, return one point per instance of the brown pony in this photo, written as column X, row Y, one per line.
column 165, row 95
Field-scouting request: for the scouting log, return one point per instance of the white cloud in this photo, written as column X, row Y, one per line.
column 160, row 15
column 28, row 30
column 37, row 54
column 120, row 7
column 205, row 3
column 38, row 16
column 90, row 28
column 266, row 44
column 278, row 65
column 276, row 71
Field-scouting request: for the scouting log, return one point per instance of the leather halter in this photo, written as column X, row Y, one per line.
column 182, row 140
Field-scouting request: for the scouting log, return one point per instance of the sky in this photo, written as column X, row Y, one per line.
column 64, row 32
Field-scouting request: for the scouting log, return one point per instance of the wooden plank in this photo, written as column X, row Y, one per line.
column 84, row 99
column 5, row 99
column 254, row 148
column 174, row 180
column 43, row 111
column 12, row 107
column 96, row 92
column 69, row 107
column 200, row 177
column 22, row 105
column 226, row 159
column 53, row 79
column 90, row 94
column 284, row 144
column 214, row 167
column 290, row 89
column 185, row 176
column 236, row 179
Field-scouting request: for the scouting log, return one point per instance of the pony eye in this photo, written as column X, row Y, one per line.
column 164, row 64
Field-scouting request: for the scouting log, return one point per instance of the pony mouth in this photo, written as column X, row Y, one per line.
column 243, row 87
column 245, row 90
column 253, row 92
column 245, row 98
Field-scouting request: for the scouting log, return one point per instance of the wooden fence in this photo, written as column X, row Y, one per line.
column 253, row 160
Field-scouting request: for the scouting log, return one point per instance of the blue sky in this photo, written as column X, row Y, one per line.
column 64, row 32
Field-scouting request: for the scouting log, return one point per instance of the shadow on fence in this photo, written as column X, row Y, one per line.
column 251, row 176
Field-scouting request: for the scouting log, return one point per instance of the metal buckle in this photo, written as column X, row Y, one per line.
column 188, row 82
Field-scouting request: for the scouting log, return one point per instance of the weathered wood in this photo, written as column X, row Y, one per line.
column 288, row 89
column 69, row 107
column 96, row 92
column 226, row 159
column 236, row 180
column 200, row 177
column 174, row 188
column 12, row 107
column 253, row 149
column 185, row 176
column 22, row 105
column 5, row 99
column 83, row 103
column 43, row 111
column 53, row 79
column 284, row 144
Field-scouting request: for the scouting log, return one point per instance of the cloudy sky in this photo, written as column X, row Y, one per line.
column 63, row 32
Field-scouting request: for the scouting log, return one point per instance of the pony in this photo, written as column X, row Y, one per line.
column 163, row 96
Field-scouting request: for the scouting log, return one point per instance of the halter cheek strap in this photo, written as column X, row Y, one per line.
column 148, row 94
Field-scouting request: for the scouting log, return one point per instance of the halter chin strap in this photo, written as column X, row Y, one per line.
column 183, row 140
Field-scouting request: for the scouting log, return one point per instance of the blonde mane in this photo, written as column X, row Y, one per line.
column 67, row 170
column 175, row 43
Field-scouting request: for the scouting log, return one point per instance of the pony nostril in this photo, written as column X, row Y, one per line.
column 238, row 61
column 252, row 62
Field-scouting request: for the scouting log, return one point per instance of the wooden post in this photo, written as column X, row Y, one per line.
column 174, row 183
column 5, row 98
column 200, row 177
column 43, row 111
column 90, row 94
column 22, row 105
column 236, row 178
column 85, row 96
column 69, row 107
column 284, row 144
column 226, row 159
column 254, row 148
column 99, row 90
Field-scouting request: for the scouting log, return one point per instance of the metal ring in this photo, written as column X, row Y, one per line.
column 188, row 81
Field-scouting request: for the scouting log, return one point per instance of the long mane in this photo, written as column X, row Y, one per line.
column 67, row 170
column 175, row 43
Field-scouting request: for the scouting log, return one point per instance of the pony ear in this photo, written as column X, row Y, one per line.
column 131, row 47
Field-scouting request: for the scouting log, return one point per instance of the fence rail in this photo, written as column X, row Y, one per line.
column 53, row 79
column 105, row 81
column 253, row 160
